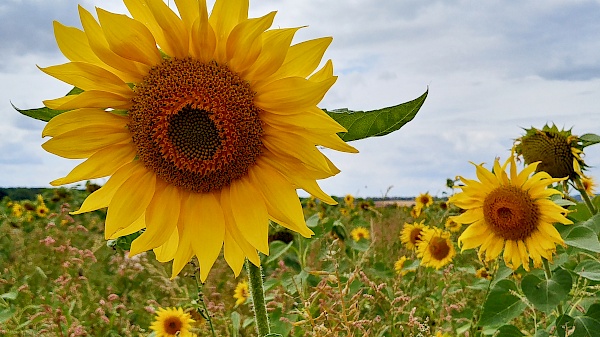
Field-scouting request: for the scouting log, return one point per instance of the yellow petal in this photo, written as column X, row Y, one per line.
column 469, row 216
column 136, row 226
column 233, row 254
column 292, row 94
column 174, row 30
column 85, row 141
column 250, row 214
column 313, row 119
column 323, row 74
column 244, row 44
column 166, row 252
column 275, row 46
column 184, row 252
column 188, row 10
column 76, row 119
column 73, row 43
column 101, row 198
column 204, row 221
column 231, row 227
column 162, row 216
column 89, row 99
column 88, row 77
column 129, row 38
column 225, row 15
column 203, row 39
column 287, row 144
column 101, row 164
column 302, row 59
column 280, row 198
column 130, row 201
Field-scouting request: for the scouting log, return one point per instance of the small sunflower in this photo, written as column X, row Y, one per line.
column 359, row 233
column 206, row 125
column 365, row 205
column 435, row 249
column 415, row 212
column 411, row 234
column 483, row 273
column 558, row 151
column 589, row 185
column 17, row 210
column 349, row 200
column 399, row 266
column 172, row 322
column 511, row 213
column 241, row 293
column 42, row 211
column 424, row 200
column 452, row 225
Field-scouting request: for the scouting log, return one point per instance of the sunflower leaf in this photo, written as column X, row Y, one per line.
column 545, row 295
column 46, row 114
column 501, row 305
column 584, row 238
column 376, row 123
column 589, row 139
column 589, row 269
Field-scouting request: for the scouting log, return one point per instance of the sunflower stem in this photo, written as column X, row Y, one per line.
column 257, row 292
column 204, row 310
column 585, row 196
column 548, row 273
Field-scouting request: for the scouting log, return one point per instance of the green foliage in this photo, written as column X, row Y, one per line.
column 547, row 294
column 45, row 114
column 501, row 305
column 376, row 123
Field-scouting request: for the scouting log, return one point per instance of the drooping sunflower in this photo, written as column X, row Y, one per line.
column 206, row 125
column 513, row 213
column 589, row 185
column 359, row 233
column 399, row 266
column 424, row 200
column 435, row 249
column 411, row 234
column 558, row 151
column 241, row 293
column 172, row 322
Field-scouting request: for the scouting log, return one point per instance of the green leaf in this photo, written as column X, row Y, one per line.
column 509, row 331
column 313, row 221
column 586, row 326
column 584, row 238
column 10, row 295
column 589, row 269
column 235, row 323
column 277, row 249
column 46, row 114
column 563, row 323
column 542, row 333
column 364, row 124
column 545, row 295
column 501, row 305
column 589, row 139
column 6, row 314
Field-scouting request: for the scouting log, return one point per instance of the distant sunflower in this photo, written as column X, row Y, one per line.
column 424, row 200
column 399, row 266
column 558, row 151
column 359, row 233
column 589, row 185
column 452, row 225
column 411, row 234
column 435, row 249
column 17, row 210
column 42, row 211
column 415, row 212
column 511, row 213
column 206, row 125
column 172, row 322
column 483, row 273
column 241, row 293
column 349, row 200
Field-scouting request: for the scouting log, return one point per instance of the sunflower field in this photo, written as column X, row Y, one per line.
column 204, row 124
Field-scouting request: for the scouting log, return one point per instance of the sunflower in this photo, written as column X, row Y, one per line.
column 399, row 266
column 206, row 125
column 435, row 248
column 558, row 151
column 511, row 213
column 452, row 225
column 349, row 200
column 359, row 233
column 17, row 210
column 42, row 211
column 171, row 322
column 483, row 273
column 415, row 212
column 424, row 200
column 241, row 293
column 411, row 234
column 589, row 185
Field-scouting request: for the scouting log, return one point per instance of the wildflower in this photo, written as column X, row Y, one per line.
column 411, row 234
column 359, row 233
column 349, row 200
column 452, row 225
column 589, row 185
column 435, row 248
column 241, row 293
column 558, row 151
column 171, row 322
column 424, row 200
column 399, row 266
column 483, row 273
column 511, row 213
column 205, row 137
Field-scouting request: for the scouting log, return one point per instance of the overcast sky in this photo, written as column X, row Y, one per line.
column 492, row 68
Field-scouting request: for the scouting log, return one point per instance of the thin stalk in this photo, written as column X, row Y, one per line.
column 548, row 273
column 257, row 292
column 474, row 324
column 204, row 311
column 585, row 196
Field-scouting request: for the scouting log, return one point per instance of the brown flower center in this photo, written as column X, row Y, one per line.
column 415, row 235
column 511, row 213
column 172, row 325
column 195, row 124
column 553, row 150
column 438, row 247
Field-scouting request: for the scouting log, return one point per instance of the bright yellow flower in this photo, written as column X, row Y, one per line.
column 399, row 266
column 511, row 213
column 349, row 200
column 435, row 249
column 17, row 210
column 172, row 322
column 452, row 225
column 241, row 293
column 589, row 185
column 411, row 234
column 206, row 125
column 42, row 211
column 483, row 273
column 359, row 233
column 415, row 212
column 424, row 200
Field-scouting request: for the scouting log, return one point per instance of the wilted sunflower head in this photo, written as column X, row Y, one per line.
column 558, row 151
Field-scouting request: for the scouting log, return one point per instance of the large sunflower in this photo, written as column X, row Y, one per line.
column 206, row 124
column 511, row 213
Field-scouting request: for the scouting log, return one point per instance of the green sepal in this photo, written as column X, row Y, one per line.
column 376, row 123
column 46, row 114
